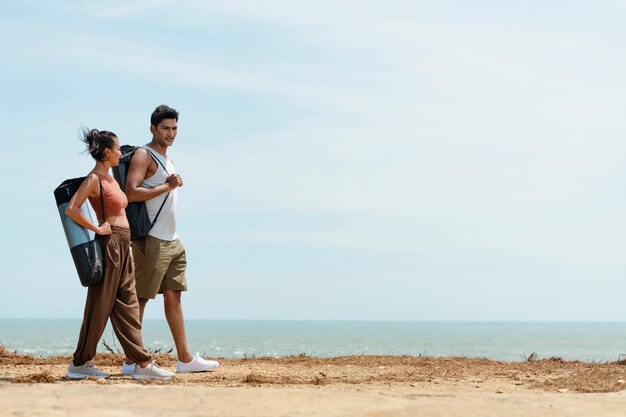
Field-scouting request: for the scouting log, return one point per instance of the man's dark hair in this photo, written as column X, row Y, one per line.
column 162, row 112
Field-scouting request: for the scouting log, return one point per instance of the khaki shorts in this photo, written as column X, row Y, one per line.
column 159, row 265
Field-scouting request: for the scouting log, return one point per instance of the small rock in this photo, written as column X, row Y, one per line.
column 102, row 381
column 519, row 383
column 563, row 390
column 477, row 386
column 412, row 385
column 499, row 391
column 621, row 382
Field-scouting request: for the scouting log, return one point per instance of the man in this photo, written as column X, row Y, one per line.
column 160, row 259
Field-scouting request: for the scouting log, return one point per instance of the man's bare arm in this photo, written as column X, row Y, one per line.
column 137, row 171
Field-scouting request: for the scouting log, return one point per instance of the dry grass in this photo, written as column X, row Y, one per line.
column 42, row 377
column 535, row 373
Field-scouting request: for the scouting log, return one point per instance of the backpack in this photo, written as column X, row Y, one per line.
column 84, row 244
column 136, row 212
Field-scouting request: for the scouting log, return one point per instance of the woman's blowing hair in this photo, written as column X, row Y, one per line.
column 97, row 141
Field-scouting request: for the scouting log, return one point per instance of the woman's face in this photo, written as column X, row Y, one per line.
column 114, row 153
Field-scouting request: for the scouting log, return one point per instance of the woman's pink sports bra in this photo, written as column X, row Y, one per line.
column 115, row 200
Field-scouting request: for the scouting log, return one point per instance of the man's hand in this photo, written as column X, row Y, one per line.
column 174, row 181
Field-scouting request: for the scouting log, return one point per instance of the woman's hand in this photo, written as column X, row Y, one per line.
column 104, row 229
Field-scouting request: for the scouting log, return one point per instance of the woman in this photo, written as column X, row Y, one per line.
column 115, row 297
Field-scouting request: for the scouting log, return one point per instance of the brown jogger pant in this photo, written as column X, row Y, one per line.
column 114, row 297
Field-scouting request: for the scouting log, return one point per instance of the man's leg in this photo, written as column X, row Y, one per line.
column 174, row 316
column 148, row 276
column 142, row 307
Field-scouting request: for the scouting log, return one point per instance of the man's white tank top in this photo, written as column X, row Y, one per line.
column 165, row 226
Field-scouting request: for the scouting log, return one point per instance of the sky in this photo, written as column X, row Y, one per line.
column 343, row 160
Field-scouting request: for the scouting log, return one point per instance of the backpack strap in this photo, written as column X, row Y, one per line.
column 168, row 193
column 104, row 218
column 156, row 159
column 159, row 212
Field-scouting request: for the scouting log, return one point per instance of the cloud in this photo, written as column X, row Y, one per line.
column 440, row 127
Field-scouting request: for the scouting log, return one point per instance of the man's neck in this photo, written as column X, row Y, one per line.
column 160, row 149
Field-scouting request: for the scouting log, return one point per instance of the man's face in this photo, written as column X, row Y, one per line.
column 165, row 133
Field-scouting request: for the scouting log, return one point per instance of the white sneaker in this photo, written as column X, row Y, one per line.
column 128, row 369
column 87, row 370
column 197, row 364
column 151, row 371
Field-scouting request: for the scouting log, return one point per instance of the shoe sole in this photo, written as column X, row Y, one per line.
column 72, row 375
column 196, row 371
column 149, row 377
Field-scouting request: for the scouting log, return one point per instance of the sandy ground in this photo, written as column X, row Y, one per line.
column 305, row 386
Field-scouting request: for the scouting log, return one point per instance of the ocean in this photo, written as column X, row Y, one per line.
column 506, row 341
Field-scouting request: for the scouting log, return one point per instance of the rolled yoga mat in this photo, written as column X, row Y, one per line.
column 84, row 247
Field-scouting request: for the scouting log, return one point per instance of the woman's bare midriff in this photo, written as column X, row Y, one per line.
column 118, row 221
